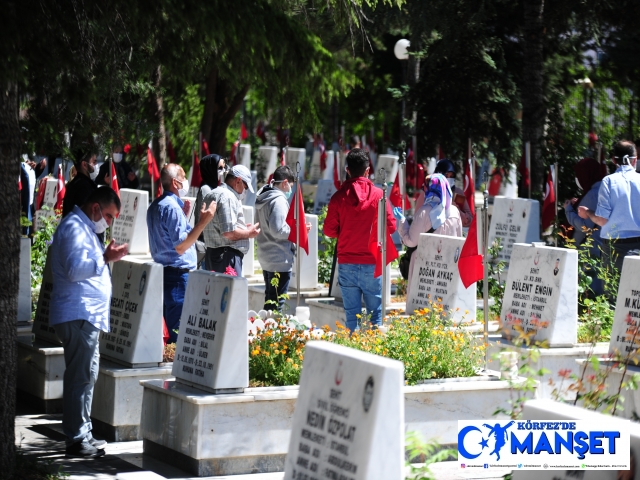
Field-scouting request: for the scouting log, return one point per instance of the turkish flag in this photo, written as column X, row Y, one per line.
column 549, row 203
column 42, row 188
column 323, row 157
column 524, row 171
column 234, row 153
column 205, row 147
column 375, row 247
column 336, row 165
column 152, row 168
column 243, row 132
column 114, row 179
column 470, row 262
column 291, row 221
column 19, row 183
column 196, row 176
column 469, row 187
column 61, row 190
column 395, row 198
column 495, row 182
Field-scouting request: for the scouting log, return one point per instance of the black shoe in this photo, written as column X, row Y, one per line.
column 83, row 450
column 97, row 443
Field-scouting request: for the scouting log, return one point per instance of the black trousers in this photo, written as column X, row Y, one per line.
column 218, row 259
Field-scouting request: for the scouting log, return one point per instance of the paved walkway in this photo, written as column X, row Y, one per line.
column 41, row 435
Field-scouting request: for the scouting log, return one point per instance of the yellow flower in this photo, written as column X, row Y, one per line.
column 433, row 359
column 255, row 352
column 289, row 360
column 276, row 351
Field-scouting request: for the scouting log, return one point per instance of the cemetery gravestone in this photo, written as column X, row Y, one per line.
column 267, row 159
column 514, row 220
column 24, row 295
column 331, row 164
column 390, row 164
column 325, row 191
column 350, row 409
column 135, row 336
column 625, row 335
column 191, row 218
column 436, row 276
column 131, row 225
column 250, row 198
column 297, row 155
column 248, row 262
column 541, row 295
column 315, row 173
column 212, row 352
column 244, row 156
column 41, row 328
column 309, row 263
column 49, row 201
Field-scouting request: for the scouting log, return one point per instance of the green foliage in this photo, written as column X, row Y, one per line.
column 40, row 247
column 425, row 453
column 496, row 284
column 326, row 251
column 184, row 113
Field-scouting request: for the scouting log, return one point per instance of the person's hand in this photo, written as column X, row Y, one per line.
column 308, row 227
column 114, row 252
column 583, row 212
column 207, row 213
column 566, row 204
column 31, row 164
column 397, row 212
column 253, row 230
column 131, row 176
column 186, row 208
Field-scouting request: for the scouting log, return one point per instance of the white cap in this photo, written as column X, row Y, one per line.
column 240, row 171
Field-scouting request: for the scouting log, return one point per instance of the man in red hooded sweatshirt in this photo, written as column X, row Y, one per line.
column 350, row 217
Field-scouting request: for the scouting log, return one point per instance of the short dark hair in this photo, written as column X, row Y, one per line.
column 82, row 154
column 355, row 139
column 357, row 162
column 104, row 196
column 283, row 172
column 622, row 149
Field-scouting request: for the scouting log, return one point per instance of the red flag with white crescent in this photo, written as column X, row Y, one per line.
column 469, row 187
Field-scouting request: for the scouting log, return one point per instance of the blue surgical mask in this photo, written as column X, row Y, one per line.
column 288, row 194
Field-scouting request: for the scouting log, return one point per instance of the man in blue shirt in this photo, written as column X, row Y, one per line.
column 615, row 213
column 172, row 240
column 79, row 309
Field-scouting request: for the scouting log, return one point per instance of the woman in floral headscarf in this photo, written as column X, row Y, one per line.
column 437, row 215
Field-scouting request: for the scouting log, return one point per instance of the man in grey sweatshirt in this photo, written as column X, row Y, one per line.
column 275, row 251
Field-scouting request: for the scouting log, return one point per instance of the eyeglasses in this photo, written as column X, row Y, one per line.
column 245, row 185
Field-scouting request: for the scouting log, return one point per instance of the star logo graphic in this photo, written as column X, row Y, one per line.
column 484, row 443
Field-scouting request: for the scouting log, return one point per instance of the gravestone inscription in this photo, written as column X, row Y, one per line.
column 625, row 334
column 514, row 220
column 130, row 226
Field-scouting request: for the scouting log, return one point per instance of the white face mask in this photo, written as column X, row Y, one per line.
column 452, row 182
column 221, row 175
column 93, row 175
column 117, row 157
column 101, row 225
column 578, row 183
column 182, row 192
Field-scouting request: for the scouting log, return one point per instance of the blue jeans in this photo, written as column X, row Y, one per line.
column 81, row 358
column 270, row 292
column 175, row 286
column 356, row 281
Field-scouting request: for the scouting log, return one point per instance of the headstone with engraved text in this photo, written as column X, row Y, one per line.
column 514, row 220
column 130, row 226
column 625, row 334
column 324, row 192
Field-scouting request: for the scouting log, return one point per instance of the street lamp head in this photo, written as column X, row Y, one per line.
column 400, row 49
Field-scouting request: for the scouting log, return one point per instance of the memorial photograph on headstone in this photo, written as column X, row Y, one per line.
column 541, row 295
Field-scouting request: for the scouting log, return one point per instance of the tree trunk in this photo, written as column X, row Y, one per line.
column 220, row 107
column 9, row 270
column 533, row 102
column 162, row 133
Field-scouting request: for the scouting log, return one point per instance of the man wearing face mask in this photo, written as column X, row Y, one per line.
column 79, row 309
column 126, row 176
column 227, row 236
column 275, row 251
column 172, row 240
column 448, row 169
column 83, row 185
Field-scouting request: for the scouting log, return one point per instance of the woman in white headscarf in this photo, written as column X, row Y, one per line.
column 437, row 215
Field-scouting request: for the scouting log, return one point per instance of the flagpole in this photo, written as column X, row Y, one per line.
column 296, row 214
column 485, row 261
column 382, row 239
column 527, row 156
column 555, row 192
column 402, row 167
column 472, row 171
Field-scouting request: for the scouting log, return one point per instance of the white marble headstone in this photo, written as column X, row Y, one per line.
column 244, row 156
column 390, row 164
column 250, row 198
column 627, row 315
column 49, row 201
column 436, row 276
column 324, row 192
column 41, row 328
column 24, row 295
column 541, row 295
column 349, row 417
column 315, row 173
column 309, row 263
column 514, row 220
column 212, row 352
column 191, row 217
column 297, row 155
column 131, row 225
column 135, row 316
column 267, row 161
column 331, row 164
column 248, row 262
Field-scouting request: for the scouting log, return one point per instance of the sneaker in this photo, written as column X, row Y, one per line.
column 95, row 442
column 83, row 449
